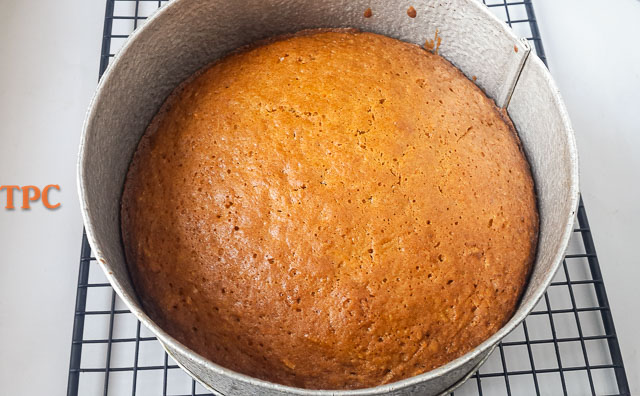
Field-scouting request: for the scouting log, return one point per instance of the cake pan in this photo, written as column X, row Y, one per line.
column 186, row 35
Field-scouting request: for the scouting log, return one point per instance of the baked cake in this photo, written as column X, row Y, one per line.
column 330, row 210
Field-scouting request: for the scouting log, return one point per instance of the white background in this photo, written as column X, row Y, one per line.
column 49, row 52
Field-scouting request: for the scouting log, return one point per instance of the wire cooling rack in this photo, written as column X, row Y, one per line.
column 566, row 346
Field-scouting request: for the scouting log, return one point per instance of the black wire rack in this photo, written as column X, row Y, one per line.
column 566, row 346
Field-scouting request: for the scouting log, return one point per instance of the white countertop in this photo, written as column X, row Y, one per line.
column 49, row 53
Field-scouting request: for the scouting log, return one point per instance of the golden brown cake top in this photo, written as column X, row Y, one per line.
column 332, row 210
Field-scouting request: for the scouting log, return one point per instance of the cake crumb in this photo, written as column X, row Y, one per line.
column 411, row 12
column 368, row 13
column 433, row 45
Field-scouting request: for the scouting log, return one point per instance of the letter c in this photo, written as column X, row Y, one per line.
column 45, row 196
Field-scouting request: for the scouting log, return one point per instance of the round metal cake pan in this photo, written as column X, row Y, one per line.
column 186, row 35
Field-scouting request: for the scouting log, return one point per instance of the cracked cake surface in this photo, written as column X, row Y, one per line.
column 330, row 210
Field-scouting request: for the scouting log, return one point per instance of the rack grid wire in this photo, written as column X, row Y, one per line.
column 566, row 346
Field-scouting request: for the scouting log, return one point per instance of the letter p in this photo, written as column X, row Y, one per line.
column 27, row 197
